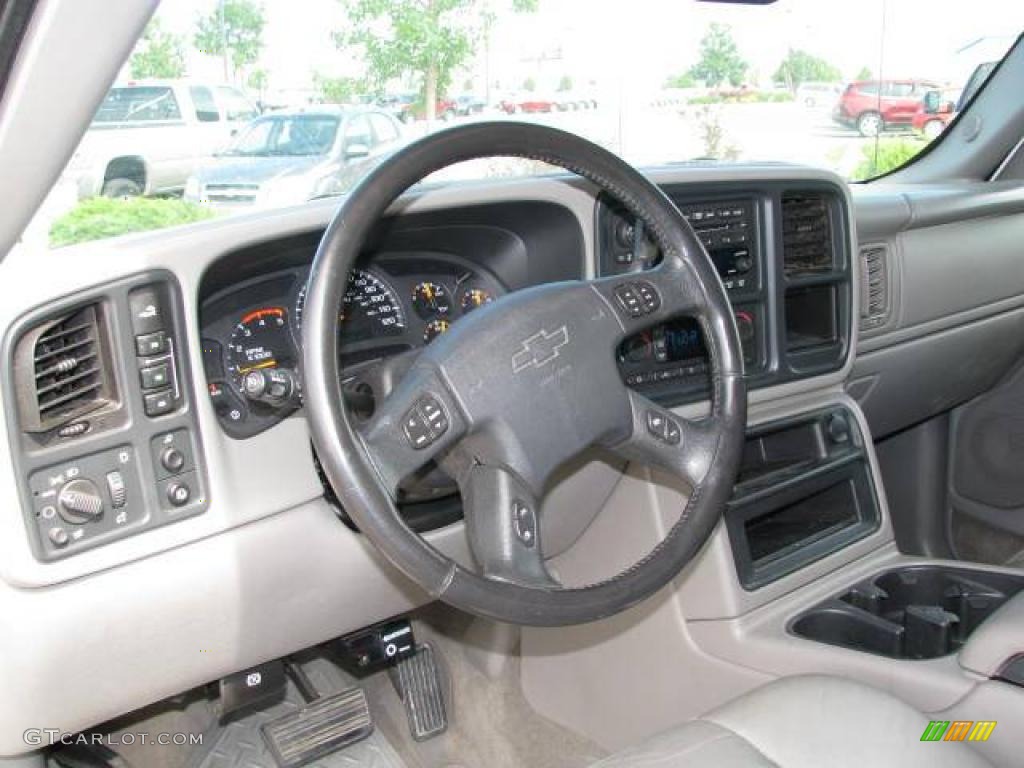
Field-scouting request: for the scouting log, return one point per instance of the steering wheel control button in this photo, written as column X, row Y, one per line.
column 179, row 494
column 118, row 490
column 638, row 298
column 629, row 300
column 663, row 427
column 80, row 502
column 524, row 522
column 425, row 422
column 159, row 403
column 155, row 377
column 147, row 344
column 650, row 301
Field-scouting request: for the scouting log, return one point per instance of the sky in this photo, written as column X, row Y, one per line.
column 635, row 45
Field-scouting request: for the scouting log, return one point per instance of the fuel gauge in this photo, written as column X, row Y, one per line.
column 474, row 298
column 434, row 329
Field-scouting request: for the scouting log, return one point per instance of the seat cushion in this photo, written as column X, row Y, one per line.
column 803, row 722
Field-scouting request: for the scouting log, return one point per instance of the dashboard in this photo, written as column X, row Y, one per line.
column 241, row 517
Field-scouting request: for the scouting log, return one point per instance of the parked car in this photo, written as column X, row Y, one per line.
column 935, row 112
column 469, row 104
column 818, row 94
column 149, row 136
column 407, row 107
column 873, row 106
column 291, row 157
column 529, row 103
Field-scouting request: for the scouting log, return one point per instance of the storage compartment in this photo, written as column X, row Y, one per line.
column 804, row 491
column 812, row 318
column 919, row 612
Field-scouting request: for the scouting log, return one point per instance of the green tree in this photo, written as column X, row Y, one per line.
column 425, row 39
column 801, row 67
column 233, row 29
column 340, row 90
column 864, row 74
column 257, row 80
column 529, row 84
column 565, row 84
column 158, row 54
column 720, row 61
column 684, row 80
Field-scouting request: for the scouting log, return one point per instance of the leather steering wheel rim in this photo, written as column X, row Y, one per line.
column 365, row 464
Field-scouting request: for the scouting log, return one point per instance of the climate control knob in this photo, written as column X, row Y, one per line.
column 80, row 501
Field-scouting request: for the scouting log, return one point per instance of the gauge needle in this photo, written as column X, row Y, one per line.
column 258, row 366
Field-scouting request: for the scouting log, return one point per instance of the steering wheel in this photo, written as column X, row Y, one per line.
column 521, row 386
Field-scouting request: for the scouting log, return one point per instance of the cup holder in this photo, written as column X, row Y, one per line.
column 919, row 612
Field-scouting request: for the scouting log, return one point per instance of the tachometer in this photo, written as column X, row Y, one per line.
column 259, row 340
column 370, row 309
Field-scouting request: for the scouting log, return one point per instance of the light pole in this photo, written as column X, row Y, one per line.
column 223, row 40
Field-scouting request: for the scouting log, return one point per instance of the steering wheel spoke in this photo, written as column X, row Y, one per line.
column 417, row 422
column 503, row 526
column 643, row 299
column 659, row 437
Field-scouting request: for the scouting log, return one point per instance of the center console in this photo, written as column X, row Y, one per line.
column 781, row 251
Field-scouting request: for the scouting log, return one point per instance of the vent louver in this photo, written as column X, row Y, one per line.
column 874, row 286
column 806, row 234
column 61, row 371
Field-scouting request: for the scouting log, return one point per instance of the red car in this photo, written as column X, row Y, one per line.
column 528, row 104
column 873, row 106
column 935, row 112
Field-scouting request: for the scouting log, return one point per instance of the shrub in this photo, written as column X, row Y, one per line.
column 101, row 217
column 885, row 155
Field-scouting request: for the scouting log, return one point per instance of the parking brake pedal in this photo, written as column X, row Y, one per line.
column 419, row 683
column 324, row 726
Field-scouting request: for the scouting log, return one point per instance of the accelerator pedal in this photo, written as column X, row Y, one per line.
column 324, row 726
column 419, row 683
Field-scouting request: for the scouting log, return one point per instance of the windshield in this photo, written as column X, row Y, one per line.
column 859, row 87
column 291, row 136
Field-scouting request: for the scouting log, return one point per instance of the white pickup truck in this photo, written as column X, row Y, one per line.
column 148, row 136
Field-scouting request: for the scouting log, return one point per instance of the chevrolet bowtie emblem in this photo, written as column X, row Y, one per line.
column 540, row 349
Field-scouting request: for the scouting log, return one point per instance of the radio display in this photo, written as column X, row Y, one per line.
column 678, row 340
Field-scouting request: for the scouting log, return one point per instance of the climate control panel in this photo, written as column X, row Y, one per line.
column 107, row 440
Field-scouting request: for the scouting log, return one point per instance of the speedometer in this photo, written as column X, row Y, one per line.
column 370, row 309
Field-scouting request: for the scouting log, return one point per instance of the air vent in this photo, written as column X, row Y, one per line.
column 806, row 234
column 61, row 371
column 874, row 286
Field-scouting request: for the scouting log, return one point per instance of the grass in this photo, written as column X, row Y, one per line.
column 743, row 97
column 890, row 155
column 98, row 218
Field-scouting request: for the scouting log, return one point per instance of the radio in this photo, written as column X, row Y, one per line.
column 727, row 230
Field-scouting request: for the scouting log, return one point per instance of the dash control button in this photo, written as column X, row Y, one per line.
column 151, row 344
column 159, row 403
column 117, row 488
column 146, row 309
column 178, row 494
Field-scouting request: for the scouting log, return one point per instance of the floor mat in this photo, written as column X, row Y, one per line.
column 240, row 743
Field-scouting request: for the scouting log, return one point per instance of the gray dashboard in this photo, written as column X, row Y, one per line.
column 954, row 283
column 265, row 568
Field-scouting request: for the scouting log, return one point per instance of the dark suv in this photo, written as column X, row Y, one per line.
column 872, row 106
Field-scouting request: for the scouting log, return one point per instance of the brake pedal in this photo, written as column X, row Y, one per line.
column 419, row 683
column 326, row 725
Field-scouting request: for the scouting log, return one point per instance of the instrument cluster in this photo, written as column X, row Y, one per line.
column 394, row 303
